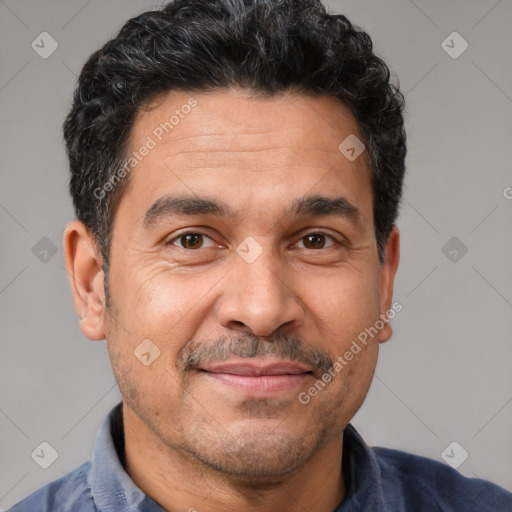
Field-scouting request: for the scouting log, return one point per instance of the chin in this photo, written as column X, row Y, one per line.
column 256, row 451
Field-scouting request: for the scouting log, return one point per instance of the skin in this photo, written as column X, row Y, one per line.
column 193, row 442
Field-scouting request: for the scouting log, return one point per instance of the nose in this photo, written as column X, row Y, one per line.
column 259, row 298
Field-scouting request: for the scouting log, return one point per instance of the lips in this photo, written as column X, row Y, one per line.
column 258, row 377
column 254, row 369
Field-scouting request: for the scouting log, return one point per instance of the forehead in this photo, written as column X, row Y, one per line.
column 244, row 119
column 245, row 148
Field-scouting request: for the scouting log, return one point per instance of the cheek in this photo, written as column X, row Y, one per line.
column 164, row 307
column 344, row 305
column 155, row 299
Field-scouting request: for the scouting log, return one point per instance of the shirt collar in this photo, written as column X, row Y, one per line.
column 113, row 489
column 362, row 474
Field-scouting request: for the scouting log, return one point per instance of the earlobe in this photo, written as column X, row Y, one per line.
column 83, row 265
column 387, row 271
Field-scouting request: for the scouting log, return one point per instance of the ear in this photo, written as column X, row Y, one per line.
column 387, row 273
column 83, row 265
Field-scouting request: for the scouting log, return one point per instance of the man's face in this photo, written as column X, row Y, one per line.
column 247, row 307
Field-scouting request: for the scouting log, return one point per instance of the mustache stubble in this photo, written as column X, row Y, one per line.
column 196, row 353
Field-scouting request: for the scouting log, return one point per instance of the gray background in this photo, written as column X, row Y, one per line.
column 445, row 375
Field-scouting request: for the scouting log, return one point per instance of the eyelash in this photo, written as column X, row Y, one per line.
column 327, row 235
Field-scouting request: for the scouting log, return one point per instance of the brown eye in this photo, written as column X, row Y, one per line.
column 316, row 240
column 190, row 240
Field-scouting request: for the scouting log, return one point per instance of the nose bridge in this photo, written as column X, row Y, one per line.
column 257, row 296
column 260, row 278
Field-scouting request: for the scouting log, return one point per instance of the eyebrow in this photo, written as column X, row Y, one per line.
column 307, row 206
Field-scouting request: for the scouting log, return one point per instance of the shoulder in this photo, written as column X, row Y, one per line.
column 70, row 493
column 417, row 479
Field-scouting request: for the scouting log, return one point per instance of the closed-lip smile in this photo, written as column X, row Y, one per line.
column 259, row 377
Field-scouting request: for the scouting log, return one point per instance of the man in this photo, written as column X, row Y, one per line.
column 236, row 170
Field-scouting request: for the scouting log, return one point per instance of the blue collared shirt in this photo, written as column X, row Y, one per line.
column 378, row 480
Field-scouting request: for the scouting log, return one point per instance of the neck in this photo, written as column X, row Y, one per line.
column 177, row 481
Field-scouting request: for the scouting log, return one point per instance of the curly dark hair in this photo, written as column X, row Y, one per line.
column 267, row 47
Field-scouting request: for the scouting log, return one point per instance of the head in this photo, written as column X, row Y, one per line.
column 221, row 219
